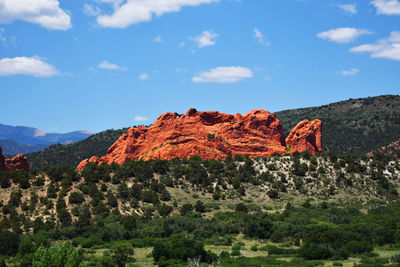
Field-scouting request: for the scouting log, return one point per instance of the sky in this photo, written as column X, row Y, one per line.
column 102, row 64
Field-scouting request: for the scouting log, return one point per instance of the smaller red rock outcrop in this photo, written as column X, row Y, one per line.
column 19, row 162
column 86, row 161
column 305, row 136
column 2, row 160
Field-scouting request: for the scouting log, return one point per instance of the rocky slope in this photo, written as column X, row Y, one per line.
column 211, row 135
column 391, row 149
column 19, row 162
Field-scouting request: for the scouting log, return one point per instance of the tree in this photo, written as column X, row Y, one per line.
column 241, row 207
column 122, row 250
column 276, row 236
column 199, row 206
column 58, row 256
column 76, row 198
column 164, row 209
column 51, row 191
column 273, row 194
column 111, row 199
column 64, row 217
column 4, row 180
column 123, row 191
column 311, row 251
column 180, row 248
column 26, row 246
column 9, row 243
column 129, row 222
column 186, row 208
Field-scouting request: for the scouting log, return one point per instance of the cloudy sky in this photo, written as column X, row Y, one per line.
column 99, row 64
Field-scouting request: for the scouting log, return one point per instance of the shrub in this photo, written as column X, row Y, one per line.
column 62, row 255
column 179, row 247
column 311, row 251
column 122, row 250
column 199, row 206
column 186, row 208
column 241, row 207
column 276, row 236
column 273, row 193
column 76, row 198
column 9, row 243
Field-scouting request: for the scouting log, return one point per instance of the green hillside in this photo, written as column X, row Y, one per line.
column 355, row 125
column 71, row 155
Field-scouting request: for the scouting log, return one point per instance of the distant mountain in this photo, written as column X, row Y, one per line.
column 21, row 139
column 72, row 154
column 11, row 147
column 32, row 136
column 355, row 125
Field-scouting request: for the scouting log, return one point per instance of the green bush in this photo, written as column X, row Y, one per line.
column 58, row 256
column 76, row 198
column 178, row 247
column 311, row 251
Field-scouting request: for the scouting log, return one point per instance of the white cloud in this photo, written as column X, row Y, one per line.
column 343, row 35
column 223, row 75
column 140, row 118
column 387, row 7
column 384, row 48
column 206, row 38
column 349, row 8
column 351, row 72
column 143, row 76
column 110, row 66
column 260, row 37
column 137, row 11
column 46, row 13
column 91, row 11
column 158, row 39
column 33, row 66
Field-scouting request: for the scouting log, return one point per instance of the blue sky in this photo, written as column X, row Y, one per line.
column 101, row 64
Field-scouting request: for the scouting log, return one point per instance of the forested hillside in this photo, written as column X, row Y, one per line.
column 71, row 155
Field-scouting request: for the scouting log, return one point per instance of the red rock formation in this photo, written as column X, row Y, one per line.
column 19, row 162
column 86, row 161
column 210, row 135
column 2, row 160
column 305, row 136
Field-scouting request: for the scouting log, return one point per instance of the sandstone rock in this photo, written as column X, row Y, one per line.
column 83, row 163
column 19, row 162
column 305, row 136
column 2, row 160
column 210, row 135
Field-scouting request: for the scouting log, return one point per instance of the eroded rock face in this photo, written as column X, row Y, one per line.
column 2, row 161
column 305, row 136
column 19, row 162
column 210, row 135
column 86, row 161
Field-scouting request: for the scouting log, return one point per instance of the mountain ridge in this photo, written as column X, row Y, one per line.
column 29, row 139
